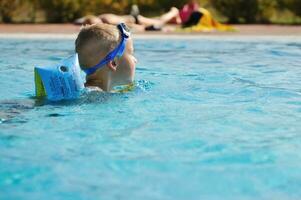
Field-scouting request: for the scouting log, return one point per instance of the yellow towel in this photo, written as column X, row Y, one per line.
column 208, row 23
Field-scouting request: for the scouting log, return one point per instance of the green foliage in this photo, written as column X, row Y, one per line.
column 293, row 5
column 238, row 11
column 254, row 11
column 7, row 8
column 235, row 11
column 68, row 10
column 266, row 9
column 245, row 11
column 60, row 10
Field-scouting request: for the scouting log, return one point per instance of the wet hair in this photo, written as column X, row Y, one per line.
column 102, row 37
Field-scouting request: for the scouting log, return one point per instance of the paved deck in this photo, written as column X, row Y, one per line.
column 260, row 30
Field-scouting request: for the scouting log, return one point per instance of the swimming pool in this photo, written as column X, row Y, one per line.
column 210, row 118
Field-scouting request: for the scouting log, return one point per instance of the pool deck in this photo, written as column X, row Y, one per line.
column 70, row 30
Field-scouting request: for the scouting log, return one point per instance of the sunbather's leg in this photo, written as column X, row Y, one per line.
column 111, row 19
column 128, row 19
column 160, row 21
column 89, row 19
column 116, row 19
column 169, row 16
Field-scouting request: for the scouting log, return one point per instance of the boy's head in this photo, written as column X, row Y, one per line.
column 94, row 43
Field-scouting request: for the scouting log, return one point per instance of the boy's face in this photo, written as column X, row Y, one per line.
column 126, row 65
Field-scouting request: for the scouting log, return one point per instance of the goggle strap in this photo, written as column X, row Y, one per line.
column 116, row 52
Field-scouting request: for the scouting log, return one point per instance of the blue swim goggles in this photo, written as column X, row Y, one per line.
column 118, row 51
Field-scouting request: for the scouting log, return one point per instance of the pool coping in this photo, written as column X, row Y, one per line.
column 67, row 29
column 64, row 36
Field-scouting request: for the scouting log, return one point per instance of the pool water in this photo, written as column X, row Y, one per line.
column 210, row 118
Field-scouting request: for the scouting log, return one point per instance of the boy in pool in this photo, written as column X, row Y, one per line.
column 106, row 55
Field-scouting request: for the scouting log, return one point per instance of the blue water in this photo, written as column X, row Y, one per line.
column 208, row 119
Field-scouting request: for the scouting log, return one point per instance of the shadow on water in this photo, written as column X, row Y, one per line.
column 9, row 109
column 12, row 111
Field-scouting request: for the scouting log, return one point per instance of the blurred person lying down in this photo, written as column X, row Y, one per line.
column 134, row 20
column 191, row 17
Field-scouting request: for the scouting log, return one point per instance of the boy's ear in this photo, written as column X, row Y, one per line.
column 112, row 65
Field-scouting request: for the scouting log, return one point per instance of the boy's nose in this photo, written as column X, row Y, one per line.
column 135, row 60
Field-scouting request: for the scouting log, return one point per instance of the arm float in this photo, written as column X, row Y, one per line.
column 59, row 82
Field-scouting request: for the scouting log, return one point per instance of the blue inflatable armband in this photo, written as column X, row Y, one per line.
column 59, row 82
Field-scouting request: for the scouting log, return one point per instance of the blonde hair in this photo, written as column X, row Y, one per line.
column 106, row 37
